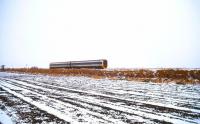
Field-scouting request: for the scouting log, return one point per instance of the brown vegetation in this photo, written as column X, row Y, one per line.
column 145, row 75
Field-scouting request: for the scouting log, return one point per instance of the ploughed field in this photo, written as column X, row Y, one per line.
column 27, row 98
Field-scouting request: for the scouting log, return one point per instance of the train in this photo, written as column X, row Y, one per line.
column 93, row 64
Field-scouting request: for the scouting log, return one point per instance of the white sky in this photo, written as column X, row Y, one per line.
column 128, row 33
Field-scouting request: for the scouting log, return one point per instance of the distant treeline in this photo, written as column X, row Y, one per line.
column 181, row 76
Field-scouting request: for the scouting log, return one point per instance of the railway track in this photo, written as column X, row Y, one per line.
column 85, row 100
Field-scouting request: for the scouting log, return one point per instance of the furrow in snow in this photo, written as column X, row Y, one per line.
column 134, row 112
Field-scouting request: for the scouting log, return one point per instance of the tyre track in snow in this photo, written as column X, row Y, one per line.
column 124, row 108
column 87, row 105
column 171, row 94
column 97, row 103
column 66, row 111
column 110, row 104
column 112, row 98
column 169, row 97
column 19, row 111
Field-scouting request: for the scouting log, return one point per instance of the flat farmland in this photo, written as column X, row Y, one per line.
column 37, row 98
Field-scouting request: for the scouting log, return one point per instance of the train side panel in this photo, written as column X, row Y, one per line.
column 98, row 64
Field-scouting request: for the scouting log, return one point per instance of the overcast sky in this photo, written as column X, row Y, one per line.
column 128, row 33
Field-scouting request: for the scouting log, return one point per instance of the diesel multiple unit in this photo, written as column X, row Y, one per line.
column 96, row 64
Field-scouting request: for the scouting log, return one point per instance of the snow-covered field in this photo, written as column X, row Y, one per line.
column 26, row 98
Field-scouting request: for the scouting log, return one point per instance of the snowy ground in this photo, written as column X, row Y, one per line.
column 46, row 99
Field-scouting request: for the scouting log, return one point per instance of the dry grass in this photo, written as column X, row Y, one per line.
column 147, row 75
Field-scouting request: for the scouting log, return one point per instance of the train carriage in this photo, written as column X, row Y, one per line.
column 96, row 64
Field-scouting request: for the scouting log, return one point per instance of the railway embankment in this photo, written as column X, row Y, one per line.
column 181, row 76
